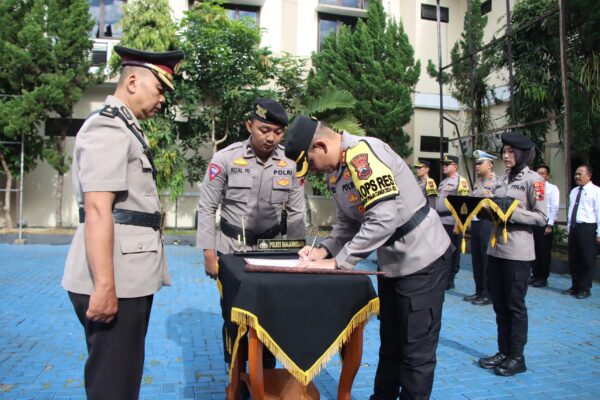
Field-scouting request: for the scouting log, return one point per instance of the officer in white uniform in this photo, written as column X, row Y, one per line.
column 381, row 208
column 116, row 261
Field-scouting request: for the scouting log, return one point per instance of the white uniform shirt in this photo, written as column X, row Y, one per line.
column 589, row 206
column 553, row 195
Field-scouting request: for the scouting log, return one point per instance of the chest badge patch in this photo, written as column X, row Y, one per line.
column 353, row 197
column 281, row 163
column 241, row 162
column 213, row 171
column 283, row 182
column 539, row 189
column 361, row 164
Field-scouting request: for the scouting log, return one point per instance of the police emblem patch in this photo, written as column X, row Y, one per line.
column 261, row 111
column 241, row 161
column 539, row 189
column 352, row 197
column 361, row 164
column 281, row 163
column 283, row 182
column 332, row 180
column 213, row 171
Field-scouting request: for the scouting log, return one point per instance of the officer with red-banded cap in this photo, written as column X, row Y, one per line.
column 380, row 208
column 116, row 261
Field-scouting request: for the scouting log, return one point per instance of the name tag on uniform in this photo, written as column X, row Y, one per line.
column 280, row 244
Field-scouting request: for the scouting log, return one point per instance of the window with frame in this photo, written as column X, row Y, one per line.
column 53, row 126
column 429, row 13
column 329, row 23
column 361, row 4
column 431, row 144
column 107, row 14
column 486, row 7
column 237, row 12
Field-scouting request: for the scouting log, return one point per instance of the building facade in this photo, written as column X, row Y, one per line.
column 296, row 27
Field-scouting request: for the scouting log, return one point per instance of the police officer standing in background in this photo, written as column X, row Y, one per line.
column 427, row 184
column 116, row 261
column 380, row 208
column 453, row 184
column 542, row 235
column 481, row 229
column 509, row 262
column 257, row 189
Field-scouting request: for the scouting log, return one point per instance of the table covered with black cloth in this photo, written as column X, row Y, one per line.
column 303, row 319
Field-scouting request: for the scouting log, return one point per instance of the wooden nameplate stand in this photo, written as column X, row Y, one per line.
column 279, row 384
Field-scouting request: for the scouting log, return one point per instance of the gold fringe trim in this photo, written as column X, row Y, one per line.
column 245, row 319
column 503, row 217
column 241, row 332
column 219, row 284
column 460, row 227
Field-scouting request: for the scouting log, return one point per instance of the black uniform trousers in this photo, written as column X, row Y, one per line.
column 508, row 286
column 410, row 313
column 582, row 255
column 481, row 231
column 115, row 362
column 543, row 253
column 455, row 260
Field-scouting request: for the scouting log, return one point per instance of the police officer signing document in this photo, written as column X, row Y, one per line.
column 116, row 261
column 381, row 208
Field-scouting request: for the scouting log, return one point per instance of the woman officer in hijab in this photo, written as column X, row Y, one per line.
column 509, row 260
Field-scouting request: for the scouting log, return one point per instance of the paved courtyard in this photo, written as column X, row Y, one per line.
column 42, row 349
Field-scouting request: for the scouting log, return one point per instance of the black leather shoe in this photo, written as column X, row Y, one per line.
column 511, row 366
column 584, row 294
column 450, row 286
column 471, row 297
column 492, row 361
column 481, row 301
column 570, row 291
column 540, row 283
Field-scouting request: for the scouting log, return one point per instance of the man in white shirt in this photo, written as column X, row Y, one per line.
column 584, row 232
column 543, row 235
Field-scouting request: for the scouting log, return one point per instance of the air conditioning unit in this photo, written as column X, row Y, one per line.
column 99, row 53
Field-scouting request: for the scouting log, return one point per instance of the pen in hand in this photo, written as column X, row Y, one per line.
column 311, row 247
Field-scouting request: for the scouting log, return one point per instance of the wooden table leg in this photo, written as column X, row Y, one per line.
column 233, row 387
column 351, row 363
column 255, row 366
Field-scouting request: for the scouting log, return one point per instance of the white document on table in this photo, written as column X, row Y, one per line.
column 266, row 262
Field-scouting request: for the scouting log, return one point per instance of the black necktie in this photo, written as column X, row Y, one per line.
column 575, row 207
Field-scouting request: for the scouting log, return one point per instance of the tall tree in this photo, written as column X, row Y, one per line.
column 22, row 46
column 469, row 75
column 537, row 72
column 375, row 63
column 148, row 25
column 224, row 70
column 62, row 72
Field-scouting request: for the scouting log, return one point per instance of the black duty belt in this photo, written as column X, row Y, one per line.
column 411, row 224
column 444, row 213
column 130, row 217
column 252, row 237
